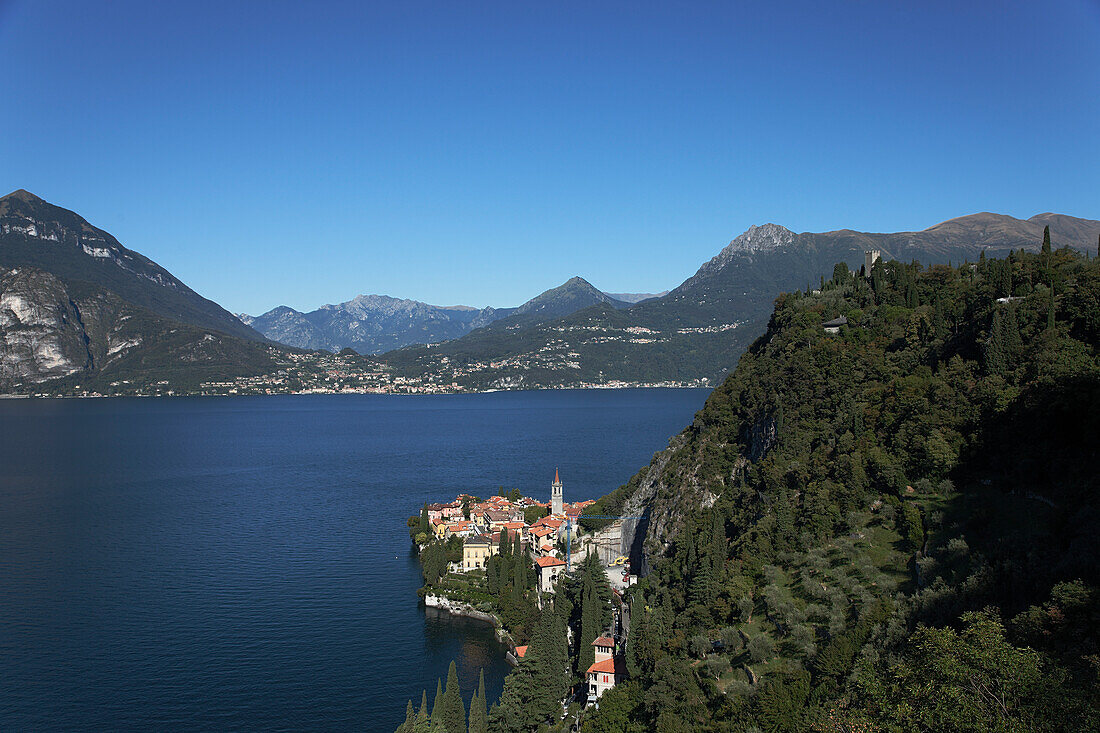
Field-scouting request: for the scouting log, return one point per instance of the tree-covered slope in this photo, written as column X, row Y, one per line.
column 891, row 527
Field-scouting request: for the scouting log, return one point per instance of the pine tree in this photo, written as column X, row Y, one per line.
column 479, row 715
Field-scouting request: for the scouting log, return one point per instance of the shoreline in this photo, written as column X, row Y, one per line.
column 464, row 610
column 601, row 388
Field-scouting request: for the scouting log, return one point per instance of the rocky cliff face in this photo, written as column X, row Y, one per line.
column 49, row 330
column 41, row 333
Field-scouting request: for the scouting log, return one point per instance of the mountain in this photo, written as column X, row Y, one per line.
column 873, row 528
column 695, row 333
column 372, row 324
column 78, row 307
column 35, row 233
column 573, row 295
column 80, row 333
column 637, row 297
column 369, row 324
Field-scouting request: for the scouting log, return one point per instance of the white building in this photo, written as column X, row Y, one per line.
column 607, row 671
column 549, row 569
column 556, row 506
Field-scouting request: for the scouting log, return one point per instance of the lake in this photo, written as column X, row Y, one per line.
column 243, row 563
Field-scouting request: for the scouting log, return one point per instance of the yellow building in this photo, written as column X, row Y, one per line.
column 475, row 552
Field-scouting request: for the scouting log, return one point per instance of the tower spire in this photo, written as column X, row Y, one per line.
column 556, row 503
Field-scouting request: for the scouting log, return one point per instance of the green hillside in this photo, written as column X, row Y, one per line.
column 894, row 527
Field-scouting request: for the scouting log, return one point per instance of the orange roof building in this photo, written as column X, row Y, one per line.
column 603, row 675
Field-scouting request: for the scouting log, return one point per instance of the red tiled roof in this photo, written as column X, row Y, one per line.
column 615, row 665
column 514, row 525
column 520, row 651
column 548, row 562
column 604, row 641
column 546, row 547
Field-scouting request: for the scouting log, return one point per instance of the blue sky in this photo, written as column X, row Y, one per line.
column 302, row 153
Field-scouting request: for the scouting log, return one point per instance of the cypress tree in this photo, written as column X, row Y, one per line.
column 911, row 300
column 423, row 722
column 479, row 714
column 410, row 720
column 454, row 712
column 996, row 349
column 1046, row 240
column 438, row 705
column 591, row 614
column 533, row 691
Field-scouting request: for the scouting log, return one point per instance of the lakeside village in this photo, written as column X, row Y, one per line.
column 506, row 558
column 319, row 372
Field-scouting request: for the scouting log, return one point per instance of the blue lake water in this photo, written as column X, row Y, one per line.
column 243, row 563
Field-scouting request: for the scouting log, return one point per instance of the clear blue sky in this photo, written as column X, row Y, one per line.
column 478, row 153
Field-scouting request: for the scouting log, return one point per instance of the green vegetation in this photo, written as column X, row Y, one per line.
column 534, row 692
column 890, row 528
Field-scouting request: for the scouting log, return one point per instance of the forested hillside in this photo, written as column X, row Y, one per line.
column 891, row 527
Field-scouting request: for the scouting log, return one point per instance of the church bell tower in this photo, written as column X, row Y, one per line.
column 555, row 495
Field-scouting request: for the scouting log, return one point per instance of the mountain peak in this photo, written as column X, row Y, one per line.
column 765, row 236
column 23, row 195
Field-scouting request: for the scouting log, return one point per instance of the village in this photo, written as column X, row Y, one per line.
column 551, row 533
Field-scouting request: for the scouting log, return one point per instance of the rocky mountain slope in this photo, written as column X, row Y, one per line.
column 78, row 307
column 80, row 333
column 35, row 233
column 695, row 333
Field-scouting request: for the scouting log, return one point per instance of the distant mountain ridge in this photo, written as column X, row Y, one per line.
column 696, row 332
column 373, row 324
column 76, row 307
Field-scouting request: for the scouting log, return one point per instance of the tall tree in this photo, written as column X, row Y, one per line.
column 454, row 712
column 409, row 726
column 533, row 691
column 438, row 705
column 479, row 715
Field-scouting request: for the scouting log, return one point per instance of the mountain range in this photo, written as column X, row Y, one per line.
column 695, row 333
column 373, row 324
column 75, row 305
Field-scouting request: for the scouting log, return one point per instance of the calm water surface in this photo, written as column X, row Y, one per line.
column 243, row 563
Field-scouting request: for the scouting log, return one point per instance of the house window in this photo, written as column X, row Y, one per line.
column 605, row 678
